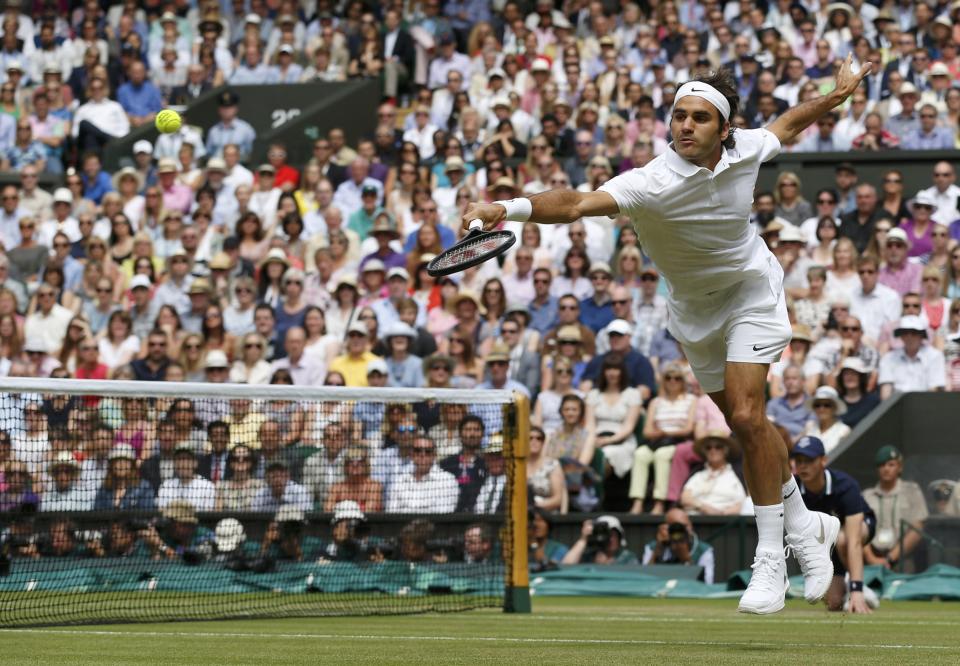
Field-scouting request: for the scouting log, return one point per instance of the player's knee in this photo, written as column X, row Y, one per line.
column 747, row 422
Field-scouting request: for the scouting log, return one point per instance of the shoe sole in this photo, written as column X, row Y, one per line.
column 831, row 534
column 768, row 610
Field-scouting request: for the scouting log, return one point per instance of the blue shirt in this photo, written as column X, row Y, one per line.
column 840, row 497
column 543, row 317
column 595, row 316
column 639, row 370
column 940, row 138
column 20, row 157
column 95, row 190
column 140, row 100
column 791, row 418
column 239, row 132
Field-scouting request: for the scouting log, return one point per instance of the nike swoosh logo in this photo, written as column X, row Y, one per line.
column 756, row 348
column 791, row 494
column 822, row 537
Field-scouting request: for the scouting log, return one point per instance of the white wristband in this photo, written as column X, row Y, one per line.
column 518, row 210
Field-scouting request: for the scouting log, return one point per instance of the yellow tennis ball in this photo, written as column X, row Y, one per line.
column 168, row 121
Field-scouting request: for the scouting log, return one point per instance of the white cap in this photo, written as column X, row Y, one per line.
column 540, row 65
column 216, row 164
column 252, row 18
column 613, row 523
column 501, row 100
column 791, row 234
column 600, row 267
column 373, row 265
column 378, row 365
column 285, row 48
column 911, row 323
column 898, row 234
column 142, row 146
column 907, row 88
column 939, row 68
column 496, row 71
column 399, row 329
column 397, row 272
column 924, row 198
column 229, row 535
column 140, row 280
column 347, row 510
column 854, row 363
column 827, row 393
column 63, row 195
column 619, row 326
column 216, row 359
column 35, row 344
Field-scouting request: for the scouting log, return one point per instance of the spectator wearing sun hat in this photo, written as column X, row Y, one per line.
column 827, row 408
column 917, row 366
column 64, row 492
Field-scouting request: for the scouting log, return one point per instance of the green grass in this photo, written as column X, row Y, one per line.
column 559, row 631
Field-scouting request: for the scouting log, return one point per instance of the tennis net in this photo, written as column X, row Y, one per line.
column 135, row 501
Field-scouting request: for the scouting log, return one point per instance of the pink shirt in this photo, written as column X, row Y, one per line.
column 178, row 197
column 903, row 280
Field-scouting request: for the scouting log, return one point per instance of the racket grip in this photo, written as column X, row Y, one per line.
column 476, row 225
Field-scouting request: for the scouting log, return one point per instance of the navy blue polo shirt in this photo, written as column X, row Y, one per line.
column 841, row 496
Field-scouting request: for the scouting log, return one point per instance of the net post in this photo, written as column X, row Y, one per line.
column 517, row 597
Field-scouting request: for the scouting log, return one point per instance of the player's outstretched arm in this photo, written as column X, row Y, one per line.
column 799, row 118
column 552, row 207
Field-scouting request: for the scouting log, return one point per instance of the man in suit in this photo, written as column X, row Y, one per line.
column 322, row 154
column 524, row 364
column 905, row 46
column 213, row 465
column 194, row 87
column 159, row 467
column 399, row 53
column 489, row 496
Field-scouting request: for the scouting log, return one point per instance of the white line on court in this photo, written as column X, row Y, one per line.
column 481, row 639
column 835, row 620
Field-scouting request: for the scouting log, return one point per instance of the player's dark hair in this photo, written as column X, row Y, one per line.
column 722, row 79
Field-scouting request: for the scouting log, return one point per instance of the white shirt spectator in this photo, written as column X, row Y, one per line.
column 264, row 204
column 114, row 356
column 107, row 116
column 830, row 437
column 307, row 371
column 50, row 328
column 720, row 489
column 946, row 202
column 924, row 372
column 199, row 492
column 168, row 145
column 437, row 492
column 423, row 138
column 875, row 309
column 347, row 196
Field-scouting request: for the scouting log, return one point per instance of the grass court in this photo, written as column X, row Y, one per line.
column 559, row 631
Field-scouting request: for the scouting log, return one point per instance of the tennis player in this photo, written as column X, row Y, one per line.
column 690, row 207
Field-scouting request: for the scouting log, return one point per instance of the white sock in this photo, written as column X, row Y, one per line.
column 796, row 515
column 769, row 528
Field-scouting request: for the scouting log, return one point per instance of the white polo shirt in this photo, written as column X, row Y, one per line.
column 880, row 306
column 694, row 222
column 924, row 372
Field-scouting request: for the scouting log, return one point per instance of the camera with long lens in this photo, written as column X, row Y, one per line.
column 678, row 534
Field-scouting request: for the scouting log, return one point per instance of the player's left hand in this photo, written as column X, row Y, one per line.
column 858, row 604
column 847, row 79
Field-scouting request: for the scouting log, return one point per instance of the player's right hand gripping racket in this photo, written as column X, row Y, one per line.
column 476, row 247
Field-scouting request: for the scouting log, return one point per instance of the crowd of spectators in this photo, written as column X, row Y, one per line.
column 193, row 262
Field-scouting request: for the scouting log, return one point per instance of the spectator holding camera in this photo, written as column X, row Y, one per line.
column 284, row 538
column 677, row 543
column 900, row 509
column 348, row 530
column 545, row 553
column 602, row 541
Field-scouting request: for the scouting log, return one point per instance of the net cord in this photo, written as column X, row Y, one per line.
column 131, row 389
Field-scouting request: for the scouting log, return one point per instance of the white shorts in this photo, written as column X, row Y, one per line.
column 744, row 323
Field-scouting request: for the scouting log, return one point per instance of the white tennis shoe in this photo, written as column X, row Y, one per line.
column 768, row 585
column 812, row 548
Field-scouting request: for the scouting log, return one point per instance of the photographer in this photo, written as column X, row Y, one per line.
column 348, row 529
column 284, row 538
column 601, row 541
column 178, row 535
column 677, row 543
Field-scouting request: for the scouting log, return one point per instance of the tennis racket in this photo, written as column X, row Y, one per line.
column 476, row 247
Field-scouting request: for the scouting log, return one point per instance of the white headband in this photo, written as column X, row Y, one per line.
column 707, row 92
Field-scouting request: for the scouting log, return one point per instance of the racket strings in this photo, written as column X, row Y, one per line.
column 472, row 250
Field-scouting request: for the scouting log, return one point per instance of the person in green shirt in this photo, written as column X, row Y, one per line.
column 284, row 539
column 602, row 541
column 361, row 221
